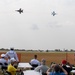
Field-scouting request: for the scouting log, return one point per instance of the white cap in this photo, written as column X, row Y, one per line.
column 2, row 55
column 12, row 60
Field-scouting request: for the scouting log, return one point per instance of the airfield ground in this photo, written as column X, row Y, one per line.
column 56, row 57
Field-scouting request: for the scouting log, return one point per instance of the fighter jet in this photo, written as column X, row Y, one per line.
column 53, row 13
column 20, row 11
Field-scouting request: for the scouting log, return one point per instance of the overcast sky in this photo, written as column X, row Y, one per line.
column 36, row 28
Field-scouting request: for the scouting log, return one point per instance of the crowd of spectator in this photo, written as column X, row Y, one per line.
column 9, row 62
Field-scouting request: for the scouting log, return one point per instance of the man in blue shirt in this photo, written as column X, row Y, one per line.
column 56, row 71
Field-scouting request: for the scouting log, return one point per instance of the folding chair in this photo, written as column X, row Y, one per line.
column 3, row 68
column 34, row 66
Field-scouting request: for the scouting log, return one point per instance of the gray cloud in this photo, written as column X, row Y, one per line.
column 54, row 24
column 35, row 27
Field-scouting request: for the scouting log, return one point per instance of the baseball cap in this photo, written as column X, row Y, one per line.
column 12, row 60
column 2, row 55
column 64, row 61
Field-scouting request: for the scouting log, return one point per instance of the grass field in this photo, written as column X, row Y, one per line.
column 50, row 57
column 56, row 57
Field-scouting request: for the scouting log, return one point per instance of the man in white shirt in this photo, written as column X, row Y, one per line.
column 34, row 62
column 12, row 54
column 3, row 62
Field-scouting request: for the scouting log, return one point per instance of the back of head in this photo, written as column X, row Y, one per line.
column 56, row 68
column 35, row 56
column 12, row 60
column 12, row 48
column 64, row 61
column 43, row 61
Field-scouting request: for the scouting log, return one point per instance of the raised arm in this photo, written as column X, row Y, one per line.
column 64, row 70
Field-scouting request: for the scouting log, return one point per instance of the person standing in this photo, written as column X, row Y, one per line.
column 12, row 54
